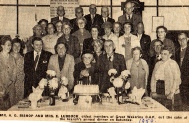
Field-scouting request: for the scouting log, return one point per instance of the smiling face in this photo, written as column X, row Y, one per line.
column 109, row 47
column 59, row 27
column 117, row 28
column 66, row 29
column 129, row 8
column 157, row 47
column 94, row 33
column 87, row 58
column 81, row 23
column 161, row 33
column 107, row 31
column 165, row 55
column 37, row 46
column 60, row 11
column 16, row 48
column 50, row 29
column 7, row 46
column 104, row 12
column 127, row 28
column 38, row 30
column 92, row 9
column 136, row 55
column 182, row 40
column 79, row 13
column 61, row 50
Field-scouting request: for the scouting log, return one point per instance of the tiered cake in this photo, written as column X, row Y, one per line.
column 86, row 89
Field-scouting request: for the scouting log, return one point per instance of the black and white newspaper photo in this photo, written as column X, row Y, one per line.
column 94, row 61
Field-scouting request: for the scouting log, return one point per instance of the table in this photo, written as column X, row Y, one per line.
column 97, row 107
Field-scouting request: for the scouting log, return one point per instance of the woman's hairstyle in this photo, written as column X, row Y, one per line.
column 67, row 23
column 99, row 42
column 95, row 26
column 82, row 18
column 168, row 48
column 163, row 27
column 60, row 42
column 17, row 40
column 136, row 48
column 4, row 40
column 52, row 25
column 43, row 20
column 128, row 23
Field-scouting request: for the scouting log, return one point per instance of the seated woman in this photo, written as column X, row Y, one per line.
column 139, row 69
column 62, row 63
column 16, row 52
column 166, row 80
column 84, row 71
column 7, row 75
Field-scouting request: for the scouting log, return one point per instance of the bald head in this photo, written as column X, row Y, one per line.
column 105, row 11
column 92, row 9
column 60, row 11
column 129, row 7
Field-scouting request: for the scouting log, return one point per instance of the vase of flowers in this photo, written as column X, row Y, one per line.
column 63, row 92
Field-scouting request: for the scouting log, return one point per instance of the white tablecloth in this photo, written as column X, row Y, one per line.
column 96, row 107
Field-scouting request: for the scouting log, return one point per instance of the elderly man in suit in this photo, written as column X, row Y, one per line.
column 109, row 60
column 129, row 16
column 60, row 13
column 35, row 65
column 62, row 63
column 182, row 58
column 92, row 18
column 145, row 41
column 105, row 18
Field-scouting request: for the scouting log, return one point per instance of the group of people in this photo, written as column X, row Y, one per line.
column 88, row 47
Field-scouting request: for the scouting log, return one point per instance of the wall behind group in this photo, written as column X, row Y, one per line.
column 176, row 17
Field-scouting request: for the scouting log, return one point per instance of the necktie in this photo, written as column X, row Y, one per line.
column 36, row 60
column 129, row 17
column 104, row 19
column 92, row 18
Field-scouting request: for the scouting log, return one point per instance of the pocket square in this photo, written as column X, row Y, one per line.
column 44, row 61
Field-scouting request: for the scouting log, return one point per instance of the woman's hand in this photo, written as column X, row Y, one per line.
column 84, row 73
column 170, row 96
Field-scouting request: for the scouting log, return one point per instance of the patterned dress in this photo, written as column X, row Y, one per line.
column 19, row 84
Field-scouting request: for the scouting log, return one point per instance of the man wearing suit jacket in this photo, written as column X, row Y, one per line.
column 105, row 18
column 60, row 13
column 92, row 18
column 35, row 65
column 62, row 63
column 129, row 16
column 109, row 60
column 145, row 41
column 182, row 58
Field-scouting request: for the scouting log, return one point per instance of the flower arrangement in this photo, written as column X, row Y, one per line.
column 63, row 92
column 53, row 83
column 50, row 74
column 112, row 72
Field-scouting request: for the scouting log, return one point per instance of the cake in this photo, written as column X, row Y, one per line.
column 86, row 89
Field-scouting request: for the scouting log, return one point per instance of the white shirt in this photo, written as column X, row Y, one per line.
column 35, row 54
column 139, row 36
column 61, row 18
column 105, row 19
column 127, row 16
column 134, row 42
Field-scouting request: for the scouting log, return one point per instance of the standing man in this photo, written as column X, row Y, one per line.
column 35, row 65
column 78, row 14
column 109, row 60
column 145, row 41
column 105, row 18
column 129, row 16
column 60, row 13
column 182, row 58
column 92, row 18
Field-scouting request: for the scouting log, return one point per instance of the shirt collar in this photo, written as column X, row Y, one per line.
column 35, row 53
column 112, row 57
column 61, row 18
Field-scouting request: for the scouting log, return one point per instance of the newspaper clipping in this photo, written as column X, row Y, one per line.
column 94, row 61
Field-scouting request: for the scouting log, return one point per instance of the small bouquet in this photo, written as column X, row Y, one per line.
column 53, row 83
column 43, row 83
column 63, row 92
column 112, row 72
column 50, row 74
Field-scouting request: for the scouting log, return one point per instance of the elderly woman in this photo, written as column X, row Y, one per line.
column 84, row 71
column 117, row 29
column 71, row 41
column 166, row 80
column 127, row 41
column 16, row 53
column 139, row 69
column 87, row 43
column 7, row 75
column 43, row 23
column 58, row 25
column 62, row 63
column 49, row 41
column 37, row 32
column 81, row 33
